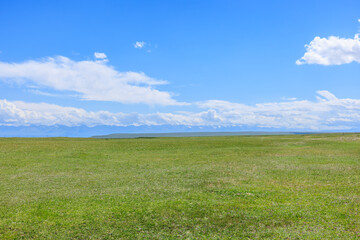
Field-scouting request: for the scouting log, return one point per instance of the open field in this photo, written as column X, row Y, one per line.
column 256, row 187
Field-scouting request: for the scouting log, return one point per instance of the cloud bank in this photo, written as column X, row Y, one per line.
column 331, row 51
column 326, row 113
column 92, row 80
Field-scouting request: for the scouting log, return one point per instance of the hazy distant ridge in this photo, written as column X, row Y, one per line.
column 193, row 134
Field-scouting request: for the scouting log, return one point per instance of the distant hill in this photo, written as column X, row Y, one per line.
column 191, row 134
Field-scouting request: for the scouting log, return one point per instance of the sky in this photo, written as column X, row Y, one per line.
column 243, row 65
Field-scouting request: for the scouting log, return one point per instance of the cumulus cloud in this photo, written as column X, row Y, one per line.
column 19, row 113
column 139, row 44
column 100, row 55
column 92, row 80
column 331, row 51
column 326, row 113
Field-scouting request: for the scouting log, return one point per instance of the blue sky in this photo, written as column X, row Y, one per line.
column 181, row 63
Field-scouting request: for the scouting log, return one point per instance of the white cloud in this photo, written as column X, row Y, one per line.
column 18, row 113
column 331, row 51
column 99, row 55
column 39, row 92
column 289, row 99
column 326, row 113
column 139, row 44
column 93, row 80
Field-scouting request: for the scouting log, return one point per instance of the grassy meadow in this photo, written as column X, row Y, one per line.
column 238, row 187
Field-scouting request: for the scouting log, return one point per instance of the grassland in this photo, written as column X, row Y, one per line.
column 275, row 187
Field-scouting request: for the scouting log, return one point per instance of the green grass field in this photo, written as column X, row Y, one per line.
column 256, row 187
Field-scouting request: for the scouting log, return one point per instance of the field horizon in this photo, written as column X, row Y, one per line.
column 244, row 187
column 199, row 134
